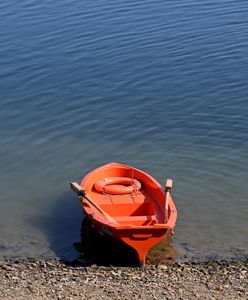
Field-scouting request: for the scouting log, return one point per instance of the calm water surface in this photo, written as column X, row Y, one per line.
column 159, row 85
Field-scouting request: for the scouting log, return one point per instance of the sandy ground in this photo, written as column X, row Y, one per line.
column 33, row 279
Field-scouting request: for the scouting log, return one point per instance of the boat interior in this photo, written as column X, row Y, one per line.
column 140, row 208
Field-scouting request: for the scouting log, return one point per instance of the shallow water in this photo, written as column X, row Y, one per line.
column 158, row 85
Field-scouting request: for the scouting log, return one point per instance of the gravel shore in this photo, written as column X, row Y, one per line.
column 34, row 279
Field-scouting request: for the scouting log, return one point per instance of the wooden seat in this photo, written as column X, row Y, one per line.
column 136, row 220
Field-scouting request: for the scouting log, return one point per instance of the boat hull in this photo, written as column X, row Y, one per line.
column 140, row 239
column 137, row 219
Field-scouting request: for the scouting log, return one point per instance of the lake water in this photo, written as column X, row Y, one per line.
column 159, row 85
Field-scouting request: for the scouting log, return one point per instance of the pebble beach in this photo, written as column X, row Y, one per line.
column 37, row 279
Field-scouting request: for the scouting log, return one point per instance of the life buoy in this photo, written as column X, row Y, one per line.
column 117, row 185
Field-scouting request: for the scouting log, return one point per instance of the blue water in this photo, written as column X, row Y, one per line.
column 159, row 85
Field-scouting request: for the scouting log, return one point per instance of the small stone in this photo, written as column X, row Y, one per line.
column 93, row 266
column 7, row 268
column 163, row 267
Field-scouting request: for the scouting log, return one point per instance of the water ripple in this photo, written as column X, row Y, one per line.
column 161, row 86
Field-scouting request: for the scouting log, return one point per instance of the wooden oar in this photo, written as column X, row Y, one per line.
column 168, row 187
column 81, row 192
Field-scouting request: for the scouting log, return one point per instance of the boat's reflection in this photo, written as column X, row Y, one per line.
column 96, row 249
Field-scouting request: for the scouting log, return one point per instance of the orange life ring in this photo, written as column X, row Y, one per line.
column 117, row 185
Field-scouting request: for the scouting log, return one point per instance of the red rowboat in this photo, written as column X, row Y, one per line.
column 127, row 204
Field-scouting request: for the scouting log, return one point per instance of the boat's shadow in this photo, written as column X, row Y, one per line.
column 71, row 238
column 60, row 225
column 94, row 248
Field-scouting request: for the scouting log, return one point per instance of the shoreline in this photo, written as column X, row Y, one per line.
column 57, row 279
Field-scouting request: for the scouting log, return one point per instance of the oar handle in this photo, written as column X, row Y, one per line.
column 81, row 192
column 168, row 187
column 77, row 189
